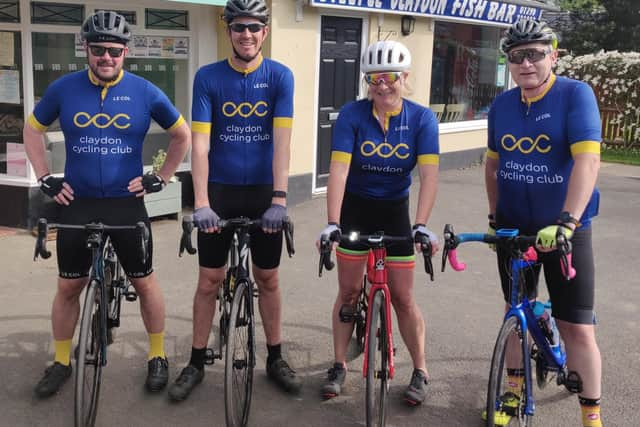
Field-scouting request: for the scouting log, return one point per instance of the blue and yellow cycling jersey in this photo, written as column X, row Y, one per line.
column 104, row 128
column 381, row 160
column 534, row 143
column 239, row 110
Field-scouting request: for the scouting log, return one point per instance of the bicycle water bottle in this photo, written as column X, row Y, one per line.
column 547, row 323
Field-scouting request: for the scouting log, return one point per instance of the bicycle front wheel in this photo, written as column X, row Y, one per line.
column 89, row 363
column 377, row 363
column 240, row 357
column 503, row 403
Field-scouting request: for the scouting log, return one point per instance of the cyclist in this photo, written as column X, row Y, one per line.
column 542, row 163
column 242, row 115
column 376, row 144
column 104, row 113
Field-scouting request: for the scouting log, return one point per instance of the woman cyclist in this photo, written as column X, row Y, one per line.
column 376, row 144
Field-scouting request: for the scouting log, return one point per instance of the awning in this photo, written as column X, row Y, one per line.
column 209, row 2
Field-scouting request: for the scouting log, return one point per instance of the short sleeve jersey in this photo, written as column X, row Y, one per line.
column 381, row 159
column 239, row 110
column 534, row 143
column 104, row 128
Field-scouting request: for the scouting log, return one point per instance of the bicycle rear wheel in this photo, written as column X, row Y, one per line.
column 240, row 357
column 89, row 363
column 378, row 363
column 500, row 400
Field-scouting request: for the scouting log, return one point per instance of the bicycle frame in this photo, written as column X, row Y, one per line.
column 521, row 309
column 377, row 276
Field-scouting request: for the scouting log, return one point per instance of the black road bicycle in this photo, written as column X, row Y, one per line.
column 101, row 310
column 237, row 317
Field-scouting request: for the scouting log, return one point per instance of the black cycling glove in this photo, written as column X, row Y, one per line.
column 50, row 185
column 152, row 183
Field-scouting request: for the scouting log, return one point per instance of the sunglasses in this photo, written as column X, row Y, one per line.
column 532, row 55
column 254, row 27
column 114, row 52
column 377, row 79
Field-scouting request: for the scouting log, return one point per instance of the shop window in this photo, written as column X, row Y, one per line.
column 10, row 11
column 468, row 71
column 57, row 13
column 161, row 60
column 129, row 15
column 13, row 160
column 167, row 19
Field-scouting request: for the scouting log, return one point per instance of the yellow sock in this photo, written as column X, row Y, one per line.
column 590, row 412
column 63, row 351
column 156, row 345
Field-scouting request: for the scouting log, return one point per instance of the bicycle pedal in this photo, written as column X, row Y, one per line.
column 348, row 314
column 130, row 296
column 210, row 356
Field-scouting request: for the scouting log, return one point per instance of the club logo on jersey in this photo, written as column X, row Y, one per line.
column 101, row 120
column 245, row 109
column 526, row 144
column 384, row 150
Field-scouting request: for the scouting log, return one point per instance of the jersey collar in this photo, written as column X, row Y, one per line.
column 97, row 81
column 246, row 71
column 387, row 115
column 529, row 101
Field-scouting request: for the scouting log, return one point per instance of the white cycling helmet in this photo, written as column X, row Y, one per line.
column 385, row 56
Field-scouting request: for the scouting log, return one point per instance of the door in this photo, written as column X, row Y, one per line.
column 339, row 76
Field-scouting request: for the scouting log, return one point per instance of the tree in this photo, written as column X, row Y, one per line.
column 624, row 34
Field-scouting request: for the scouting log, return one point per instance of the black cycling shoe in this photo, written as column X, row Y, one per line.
column 335, row 379
column 188, row 379
column 281, row 373
column 54, row 377
column 416, row 392
column 158, row 374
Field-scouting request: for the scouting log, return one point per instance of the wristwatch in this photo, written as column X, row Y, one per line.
column 566, row 218
column 278, row 193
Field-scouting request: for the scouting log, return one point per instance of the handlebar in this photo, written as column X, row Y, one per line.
column 234, row 223
column 99, row 228
column 373, row 241
column 521, row 246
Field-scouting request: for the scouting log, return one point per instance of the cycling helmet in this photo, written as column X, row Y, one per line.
column 106, row 26
column 528, row 31
column 385, row 56
column 249, row 8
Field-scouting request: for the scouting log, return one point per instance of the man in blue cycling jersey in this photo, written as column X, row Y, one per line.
column 104, row 113
column 542, row 164
column 242, row 114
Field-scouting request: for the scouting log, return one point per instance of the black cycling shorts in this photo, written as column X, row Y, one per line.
column 74, row 259
column 571, row 301
column 230, row 201
column 369, row 216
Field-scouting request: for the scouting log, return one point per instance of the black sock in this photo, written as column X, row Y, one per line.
column 274, row 353
column 197, row 357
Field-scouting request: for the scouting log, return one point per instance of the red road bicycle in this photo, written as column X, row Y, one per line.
column 372, row 314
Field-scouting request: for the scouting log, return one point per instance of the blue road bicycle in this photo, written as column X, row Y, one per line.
column 550, row 360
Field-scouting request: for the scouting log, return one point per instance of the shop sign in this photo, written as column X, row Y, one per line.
column 485, row 11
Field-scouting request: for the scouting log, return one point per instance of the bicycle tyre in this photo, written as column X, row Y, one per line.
column 498, row 377
column 89, row 361
column 377, row 387
column 239, row 357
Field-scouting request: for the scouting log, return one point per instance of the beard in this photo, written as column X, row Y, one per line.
column 246, row 59
column 102, row 76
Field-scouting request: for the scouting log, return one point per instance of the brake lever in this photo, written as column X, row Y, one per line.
column 185, row 239
column 41, row 241
column 287, row 225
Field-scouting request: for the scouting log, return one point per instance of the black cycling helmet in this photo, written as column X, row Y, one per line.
column 106, row 26
column 250, row 8
column 528, row 31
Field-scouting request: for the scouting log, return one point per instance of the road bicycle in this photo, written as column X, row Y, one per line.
column 372, row 314
column 550, row 358
column 236, row 334
column 101, row 310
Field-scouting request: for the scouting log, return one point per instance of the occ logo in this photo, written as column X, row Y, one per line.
column 525, row 144
column 384, row 150
column 245, row 109
column 101, row 120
